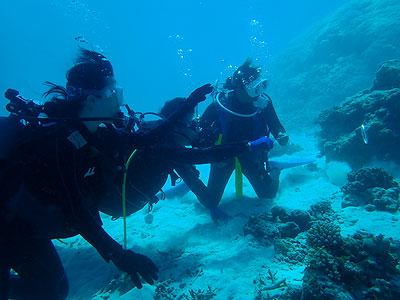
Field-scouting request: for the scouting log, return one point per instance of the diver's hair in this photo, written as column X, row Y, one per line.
column 55, row 90
column 59, row 106
column 91, row 71
column 244, row 74
column 172, row 106
column 168, row 109
column 228, row 85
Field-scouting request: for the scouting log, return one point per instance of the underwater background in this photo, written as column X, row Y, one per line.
column 332, row 232
column 159, row 49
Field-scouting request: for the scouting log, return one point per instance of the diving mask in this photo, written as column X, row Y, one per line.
column 256, row 87
column 118, row 92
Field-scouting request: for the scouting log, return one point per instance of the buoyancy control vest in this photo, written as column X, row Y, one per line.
column 234, row 126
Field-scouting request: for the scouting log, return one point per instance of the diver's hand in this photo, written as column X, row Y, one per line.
column 282, row 138
column 134, row 265
column 263, row 142
column 200, row 93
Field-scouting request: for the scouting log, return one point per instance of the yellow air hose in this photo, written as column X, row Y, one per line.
column 124, row 194
column 219, row 140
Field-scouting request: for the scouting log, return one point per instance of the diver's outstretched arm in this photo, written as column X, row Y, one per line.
column 133, row 264
column 156, row 134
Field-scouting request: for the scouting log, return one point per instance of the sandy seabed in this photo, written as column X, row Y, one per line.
column 196, row 255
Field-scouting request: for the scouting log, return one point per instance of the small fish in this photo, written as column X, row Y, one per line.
column 80, row 39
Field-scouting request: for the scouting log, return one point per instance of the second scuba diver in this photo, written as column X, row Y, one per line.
column 172, row 155
column 242, row 112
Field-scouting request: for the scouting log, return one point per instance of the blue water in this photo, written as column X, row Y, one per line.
column 166, row 49
column 159, row 49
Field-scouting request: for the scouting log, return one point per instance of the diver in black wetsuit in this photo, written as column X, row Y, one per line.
column 243, row 112
column 173, row 154
column 54, row 174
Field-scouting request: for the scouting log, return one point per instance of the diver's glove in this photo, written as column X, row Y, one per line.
column 135, row 264
column 200, row 94
column 218, row 214
column 282, row 138
column 263, row 142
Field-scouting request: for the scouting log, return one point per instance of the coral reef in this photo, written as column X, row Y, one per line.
column 331, row 62
column 290, row 293
column 373, row 187
column 376, row 110
column 322, row 210
column 121, row 283
column 271, row 286
column 301, row 218
column 167, row 291
column 388, row 76
column 263, row 228
column 362, row 266
column 289, row 230
column 268, row 227
column 268, row 283
column 324, row 234
column 292, row 251
column 320, row 215
column 286, row 231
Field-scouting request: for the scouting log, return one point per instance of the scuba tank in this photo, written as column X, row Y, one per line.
column 10, row 129
column 11, row 126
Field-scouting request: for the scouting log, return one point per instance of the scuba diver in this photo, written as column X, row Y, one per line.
column 54, row 169
column 240, row 112
column 173, row 155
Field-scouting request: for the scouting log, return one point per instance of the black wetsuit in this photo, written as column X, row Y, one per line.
column 51, row 184
column 56, row 181
column 216, row 121
column 149, row 170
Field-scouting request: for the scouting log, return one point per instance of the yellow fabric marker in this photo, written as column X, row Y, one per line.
column 238, row 178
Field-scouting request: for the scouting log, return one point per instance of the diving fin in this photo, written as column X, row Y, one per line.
column 295, row 162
